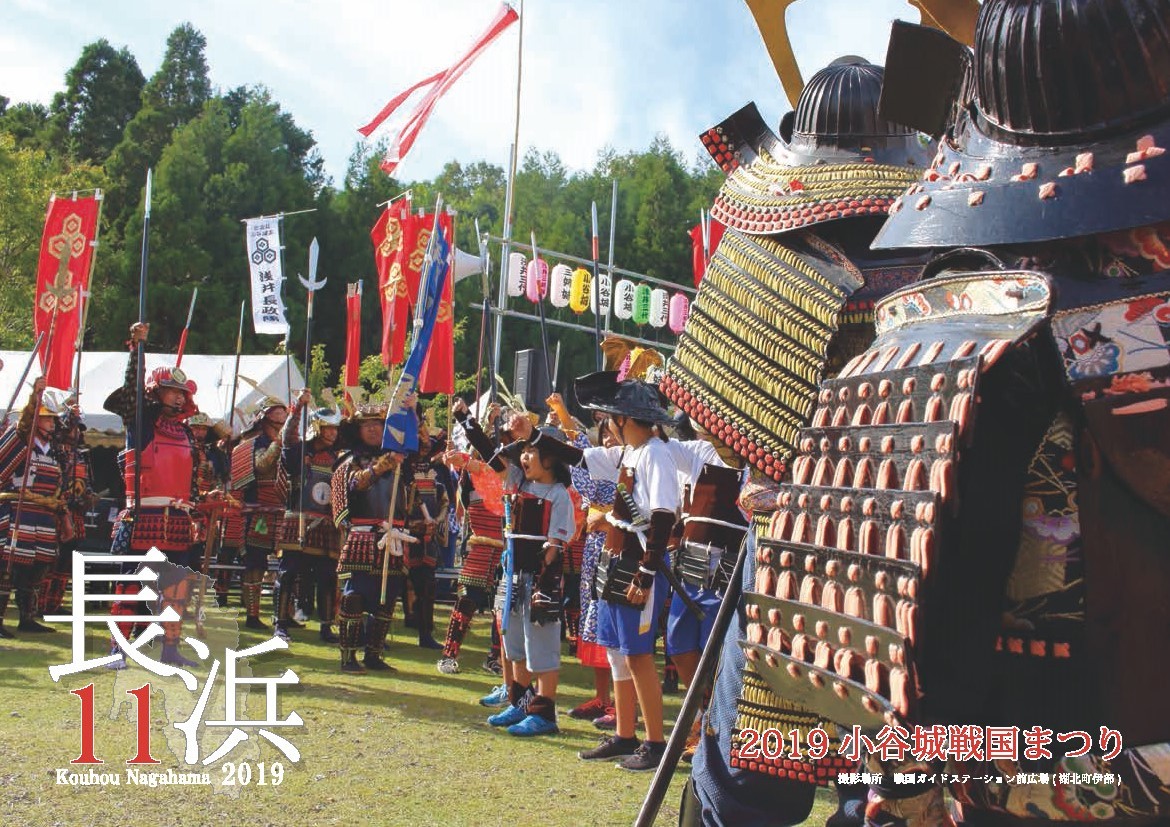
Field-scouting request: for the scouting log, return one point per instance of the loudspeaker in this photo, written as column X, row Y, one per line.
column 531, row 381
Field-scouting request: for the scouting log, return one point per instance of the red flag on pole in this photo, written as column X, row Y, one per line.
column 698, row 262
column 439, row 84
column 438, row 371
column 67, row 247
column 389, row 237
column 353, row 338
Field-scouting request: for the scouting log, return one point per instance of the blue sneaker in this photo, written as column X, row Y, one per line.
column 511, row 715
column 534, row 725
column 497, row 697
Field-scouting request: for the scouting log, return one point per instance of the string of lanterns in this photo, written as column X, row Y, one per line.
column 573, row 288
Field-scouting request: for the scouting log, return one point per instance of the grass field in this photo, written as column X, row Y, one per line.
column 409, row 748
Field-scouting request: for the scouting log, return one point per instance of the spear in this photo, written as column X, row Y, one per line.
column 183, row 336
column 20, row 383
column 236, row 375
column 140, row 355
column 540, row 308
column 312, row 285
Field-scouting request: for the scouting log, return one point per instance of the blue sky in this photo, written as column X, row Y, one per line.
column 597, row 73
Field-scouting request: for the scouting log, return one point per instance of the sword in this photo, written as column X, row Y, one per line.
column 640, row 524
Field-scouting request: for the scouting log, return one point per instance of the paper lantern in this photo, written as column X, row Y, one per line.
column 579, row 294
column 536, row 282
column 516, row 273
column 606, row 294
column 623, row 306
column 641, row 304
column 561, row 286
column 659, row 307
column 680, row 309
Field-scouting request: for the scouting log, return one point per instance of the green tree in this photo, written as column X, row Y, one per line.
column 27, row 123
column 28, row 177
column 175, row 95
column 103, row 92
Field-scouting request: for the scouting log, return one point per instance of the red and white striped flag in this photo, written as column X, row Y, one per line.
column 439, row 83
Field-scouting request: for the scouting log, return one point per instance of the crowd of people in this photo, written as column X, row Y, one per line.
column 569, row 531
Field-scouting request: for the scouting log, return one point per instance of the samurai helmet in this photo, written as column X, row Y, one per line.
column 835, row 157
column 321, row 418
column 176, row 379
column 201, row 419
column 1065, row 135
column 55, row 402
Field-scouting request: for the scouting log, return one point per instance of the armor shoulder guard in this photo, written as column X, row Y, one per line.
column 854, row 607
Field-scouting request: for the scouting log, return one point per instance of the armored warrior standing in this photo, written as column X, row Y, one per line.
column 310, row 543
column 168, row 478
column 260, row 482
column 30, row 543
column 362, row 489
column 426, row 515
column 787, row 299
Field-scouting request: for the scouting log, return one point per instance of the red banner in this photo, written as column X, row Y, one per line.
column 439, row 84
column 67, row 249
column 438, row 371
column 698, row 263
column 390, row 239
column 353, row 337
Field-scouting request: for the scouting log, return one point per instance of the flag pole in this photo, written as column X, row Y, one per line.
column 509, row 197
column 84, row 295
column 612, row 233
column 596, row 288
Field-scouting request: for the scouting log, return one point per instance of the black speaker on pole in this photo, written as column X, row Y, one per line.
column 531, row 383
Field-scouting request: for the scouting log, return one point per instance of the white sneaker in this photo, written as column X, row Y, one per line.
column 299, row 616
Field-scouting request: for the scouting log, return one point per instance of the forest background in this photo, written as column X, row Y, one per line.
column 220, row 156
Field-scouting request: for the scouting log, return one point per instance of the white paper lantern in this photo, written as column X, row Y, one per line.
column 623, row 304
column 606, row 294
column 562, row 282
column 659, row 307
column 517, row 271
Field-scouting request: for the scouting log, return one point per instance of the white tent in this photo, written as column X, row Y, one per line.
column 103, row 372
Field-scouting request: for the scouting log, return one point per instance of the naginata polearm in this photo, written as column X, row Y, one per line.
column 312, row 285
column 186, row 328
column 140, row 358
column 704, row 672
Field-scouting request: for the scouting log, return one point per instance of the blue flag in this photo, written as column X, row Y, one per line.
column 400, row 432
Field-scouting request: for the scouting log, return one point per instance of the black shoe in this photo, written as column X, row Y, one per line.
column 646, row 757
column 327, row 635
column 611, row 746
column 429, row 642
column 256, row 623
column 670, row 684
column 352, row 667
column 30, row 625
column 5, row 634
column 221, row 600
column 292, row 623
column 377, row 665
